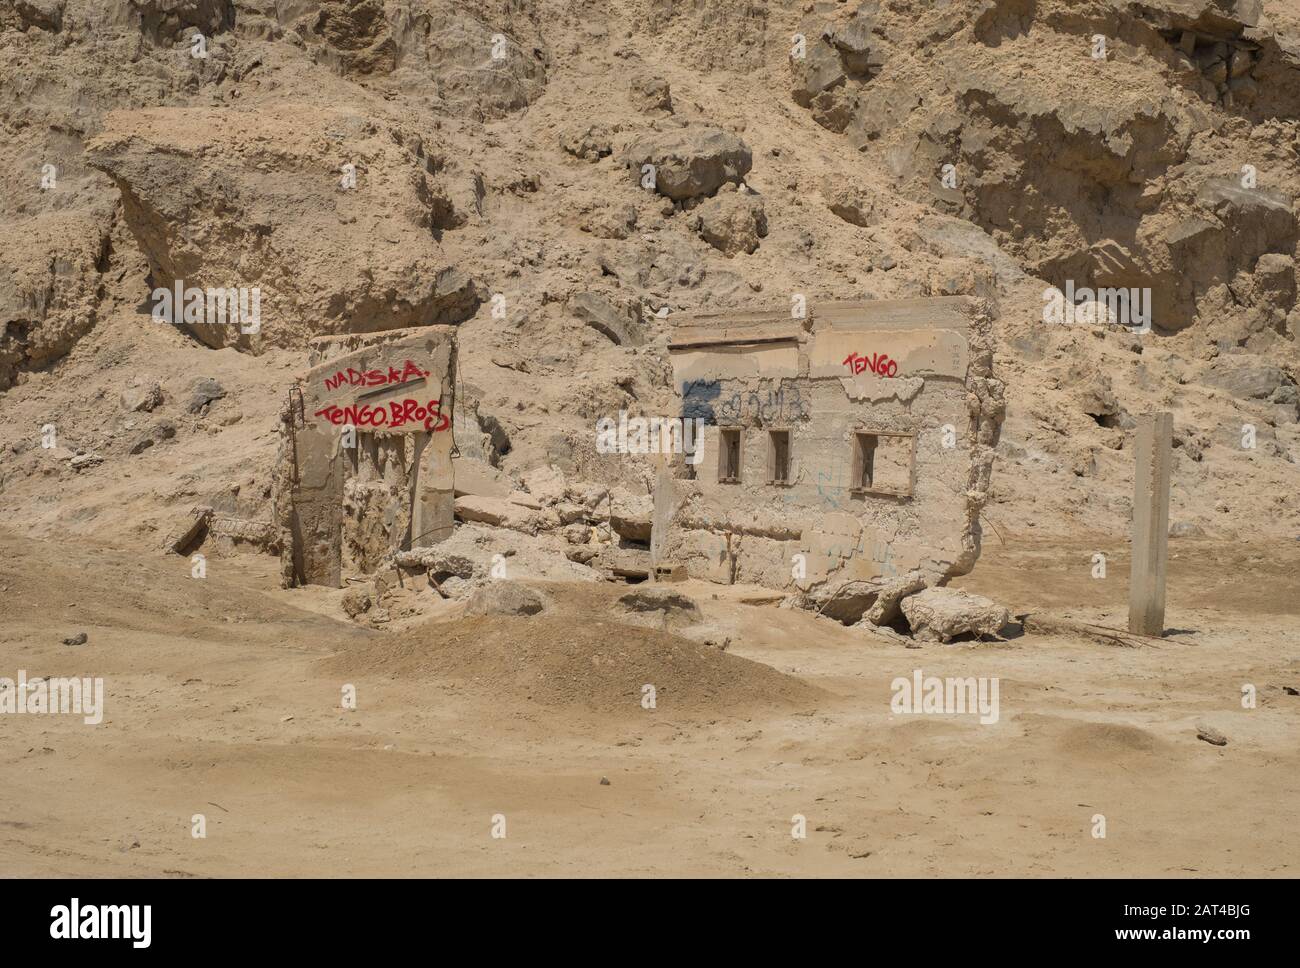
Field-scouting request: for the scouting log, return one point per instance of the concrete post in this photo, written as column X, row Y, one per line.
column 1146, row 608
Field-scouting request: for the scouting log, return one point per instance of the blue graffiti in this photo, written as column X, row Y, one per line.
column 704, row 399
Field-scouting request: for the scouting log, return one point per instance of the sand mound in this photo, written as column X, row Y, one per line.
column 1106, row 740
column 598, row 665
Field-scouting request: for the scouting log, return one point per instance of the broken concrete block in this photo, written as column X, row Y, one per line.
column 504, row 598
column 885, row 609
column 191, row 532
column 623, row 562
column 630, row 515
column 229, row 532
column 496, row 512
column 478, row 478
column 442, row 565
column 941, row 614
column 625, row 326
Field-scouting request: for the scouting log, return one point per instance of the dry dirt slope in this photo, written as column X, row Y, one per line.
column 480, row 177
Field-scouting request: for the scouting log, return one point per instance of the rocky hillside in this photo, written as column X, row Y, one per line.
column 371, row 165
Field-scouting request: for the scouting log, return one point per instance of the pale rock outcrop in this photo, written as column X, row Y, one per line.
column 221, row 198
column 50, row 280
column 483, row 60
column 835, row 61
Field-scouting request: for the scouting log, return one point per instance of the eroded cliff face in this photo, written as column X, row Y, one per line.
column 229, row 198
column 1110, row 143
column 560, row 179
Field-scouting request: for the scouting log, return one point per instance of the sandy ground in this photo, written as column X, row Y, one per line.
column 223, row 698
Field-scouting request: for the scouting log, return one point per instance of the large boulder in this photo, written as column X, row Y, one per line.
column 262, row 201
column 941, row 614
column 732, row 222
column 690, row 161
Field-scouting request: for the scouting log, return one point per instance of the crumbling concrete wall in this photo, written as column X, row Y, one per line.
column 364, row 468
column 913, row 376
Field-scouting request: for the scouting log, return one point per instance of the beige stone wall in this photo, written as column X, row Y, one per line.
column 932, row 386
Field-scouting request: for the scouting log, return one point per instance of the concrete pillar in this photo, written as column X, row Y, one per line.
column 1146, row 604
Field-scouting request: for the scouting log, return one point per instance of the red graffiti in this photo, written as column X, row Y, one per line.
column 397, row 414
column 878, row 363
column 374, row 378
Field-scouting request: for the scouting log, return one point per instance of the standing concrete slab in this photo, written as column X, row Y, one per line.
column 366, row 448
column 1146, row 607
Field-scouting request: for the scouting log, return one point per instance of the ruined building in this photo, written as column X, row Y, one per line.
column 846, row 455
column 364, row 467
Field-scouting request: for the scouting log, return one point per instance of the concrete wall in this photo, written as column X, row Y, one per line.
column 813, row 378
column 346, row 507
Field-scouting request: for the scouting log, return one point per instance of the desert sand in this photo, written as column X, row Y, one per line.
column 371, row 166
